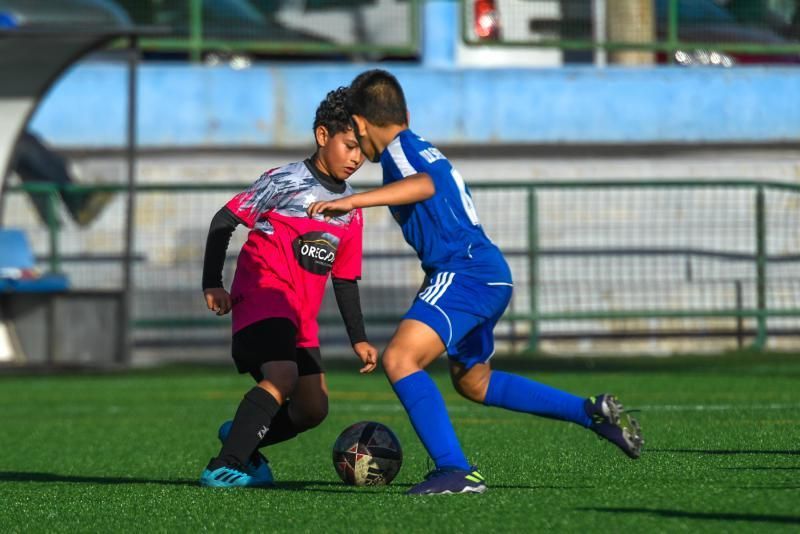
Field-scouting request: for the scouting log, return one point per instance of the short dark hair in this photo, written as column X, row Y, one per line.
column 332, row 113
column 377, row 96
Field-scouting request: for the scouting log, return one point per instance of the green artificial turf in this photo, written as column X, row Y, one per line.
column 122, row 452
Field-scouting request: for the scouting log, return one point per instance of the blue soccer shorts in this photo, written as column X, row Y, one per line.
column 464, row 311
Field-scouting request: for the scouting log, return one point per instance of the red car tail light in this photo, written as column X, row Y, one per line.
column 487, row 20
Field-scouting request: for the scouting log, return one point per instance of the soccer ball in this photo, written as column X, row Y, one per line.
column 367, row 454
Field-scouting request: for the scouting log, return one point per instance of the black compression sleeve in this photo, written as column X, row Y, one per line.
column 349, row 301
column 219, row 235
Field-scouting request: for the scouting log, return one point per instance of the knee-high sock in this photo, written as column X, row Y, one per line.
column 520, row 394
column 281, row 428
column 426, row 410
column 250, row 425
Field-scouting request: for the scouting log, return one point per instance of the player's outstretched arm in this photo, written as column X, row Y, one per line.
column 219, row 235
column 411, row 189
column 349, row 302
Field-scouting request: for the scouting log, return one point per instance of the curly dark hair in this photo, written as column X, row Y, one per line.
column 333, row 114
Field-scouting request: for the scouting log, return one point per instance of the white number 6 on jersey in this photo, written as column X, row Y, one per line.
column 466, row 200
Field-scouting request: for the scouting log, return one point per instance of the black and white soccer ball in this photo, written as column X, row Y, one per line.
column 367, row 454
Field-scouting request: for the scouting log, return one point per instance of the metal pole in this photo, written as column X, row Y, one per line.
column 196, row 30
column 53, row 226
column 739, row 318
column 599, row 30
column 124, row 348
column 533, row 267
column 761, row 272
column 672, row 29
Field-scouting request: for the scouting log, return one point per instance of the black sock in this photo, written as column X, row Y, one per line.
column 250, row 424
column 280, row 429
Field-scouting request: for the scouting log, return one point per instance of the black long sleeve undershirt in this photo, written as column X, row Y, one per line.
column 219, row 237
column 349, row 301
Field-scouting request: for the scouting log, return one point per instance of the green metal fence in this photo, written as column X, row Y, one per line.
column 686, row 31
column 599, row 259
column 711, row 32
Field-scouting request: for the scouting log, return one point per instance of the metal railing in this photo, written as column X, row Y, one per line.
column 329, row 29
column 591, row 252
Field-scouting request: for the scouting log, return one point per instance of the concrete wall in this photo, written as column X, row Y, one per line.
column 273, row 105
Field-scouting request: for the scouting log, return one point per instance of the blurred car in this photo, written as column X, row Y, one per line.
column 221, row 19
column 65, row 13
column 700, row 21
column 704, row 21
column 294, row 24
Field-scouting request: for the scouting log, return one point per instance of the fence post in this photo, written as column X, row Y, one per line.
column 672, row 29
column 739, row 318
column 53, row 227
column 533, row 267
column 761, row 272
column 124, row 337
column 600, row 32
column 196, row 30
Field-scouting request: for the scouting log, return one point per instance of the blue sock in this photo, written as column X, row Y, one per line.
column 520, row 394
column 425, row 406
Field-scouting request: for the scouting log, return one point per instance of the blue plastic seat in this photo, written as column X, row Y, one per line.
column 15, row 256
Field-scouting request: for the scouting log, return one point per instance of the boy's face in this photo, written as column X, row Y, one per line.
column 364, row 136
column 340, row 154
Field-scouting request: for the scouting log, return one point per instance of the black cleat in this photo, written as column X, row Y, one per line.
column 610, row 421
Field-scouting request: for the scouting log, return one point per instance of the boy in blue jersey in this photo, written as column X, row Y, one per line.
column 468, row 288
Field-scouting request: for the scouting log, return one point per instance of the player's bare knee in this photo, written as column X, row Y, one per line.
column 397, row 364
column 316, row 417
column 310, row 416
column 390, row 363
column 472, row 388
column 280, row 379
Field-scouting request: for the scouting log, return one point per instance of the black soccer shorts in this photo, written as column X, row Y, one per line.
column 272, row 340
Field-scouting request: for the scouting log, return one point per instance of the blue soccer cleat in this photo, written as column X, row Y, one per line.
column 227, row 477
column 258, row 465
column 447, row 481
column 610, row 421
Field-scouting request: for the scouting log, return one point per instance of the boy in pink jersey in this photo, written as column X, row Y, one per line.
column 277, row 292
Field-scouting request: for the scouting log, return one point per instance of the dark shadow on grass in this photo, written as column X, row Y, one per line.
column 338, row 487
column 328, row 486
column 760, row 468
column 711, row 516
column 537, row 487
column 728, row 451
column 299, row 485
column 21, row 476
column 773, row 487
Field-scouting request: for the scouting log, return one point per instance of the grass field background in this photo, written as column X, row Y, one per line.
column 122, row 452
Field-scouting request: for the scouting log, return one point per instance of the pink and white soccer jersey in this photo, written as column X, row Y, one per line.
column 284, row 264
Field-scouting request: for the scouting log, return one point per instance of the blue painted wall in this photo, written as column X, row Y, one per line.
column 196, row 106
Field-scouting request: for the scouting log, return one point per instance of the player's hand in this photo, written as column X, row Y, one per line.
column 368, row 355
column 330, row 208
column 218, row 300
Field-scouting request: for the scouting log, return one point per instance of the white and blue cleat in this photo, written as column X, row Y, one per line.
column 227, row 477
column 256, row 474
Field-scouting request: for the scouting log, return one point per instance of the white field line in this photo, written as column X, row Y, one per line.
column 716, row 407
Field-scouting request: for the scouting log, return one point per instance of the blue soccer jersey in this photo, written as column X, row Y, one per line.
column 444, row 230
